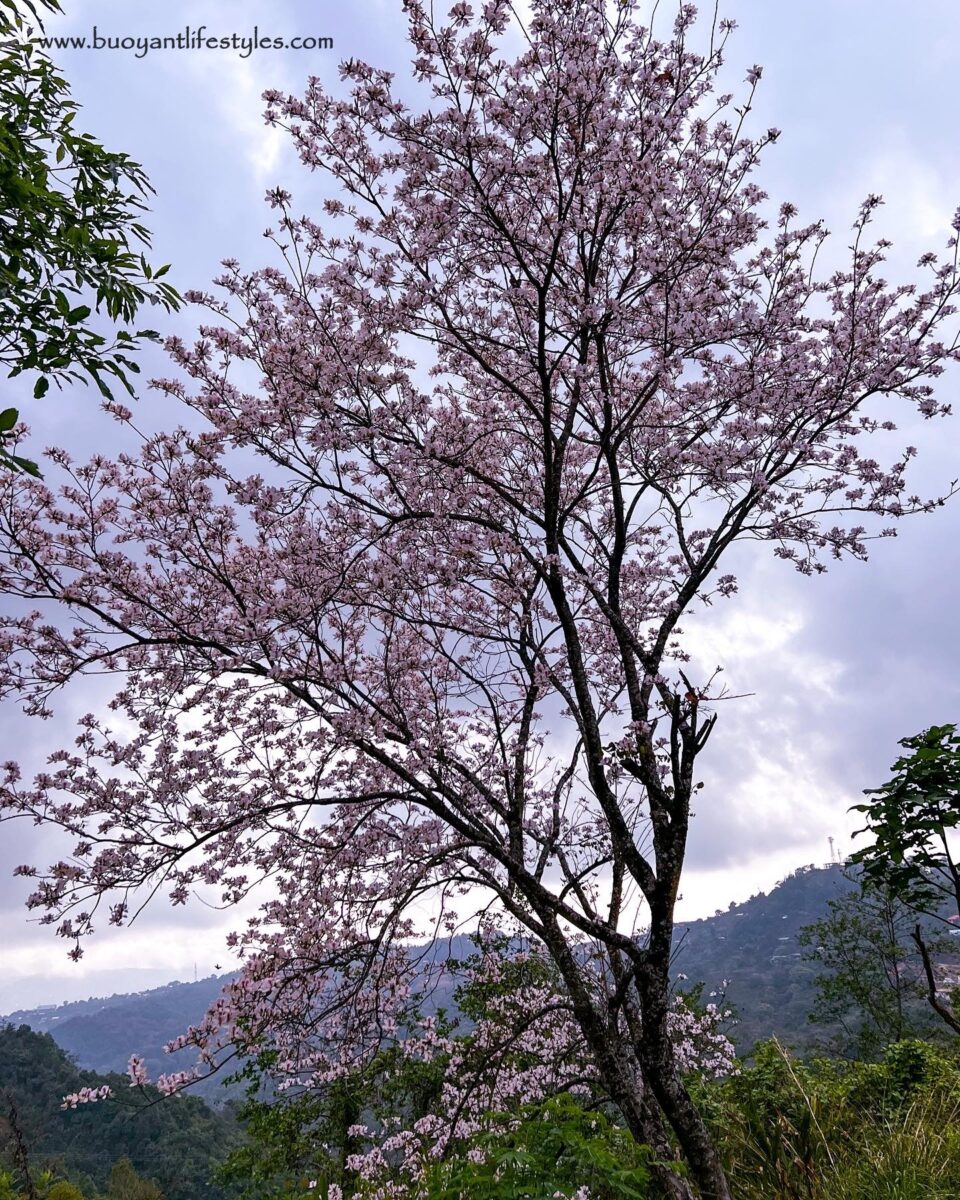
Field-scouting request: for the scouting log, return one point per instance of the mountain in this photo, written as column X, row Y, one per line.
column 101, row 1034
column 751, row 945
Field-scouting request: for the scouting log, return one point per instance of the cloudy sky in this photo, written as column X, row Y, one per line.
column 837, row 668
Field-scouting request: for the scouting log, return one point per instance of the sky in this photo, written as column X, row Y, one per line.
column 834, row 670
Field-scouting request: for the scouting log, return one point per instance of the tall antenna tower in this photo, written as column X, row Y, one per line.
column 832, row 856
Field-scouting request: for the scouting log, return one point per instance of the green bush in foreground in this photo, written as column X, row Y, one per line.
column 821, row 1130
column 552, row 1148
column 833, row 1130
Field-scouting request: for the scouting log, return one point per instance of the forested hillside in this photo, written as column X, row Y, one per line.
column 174, row 1143
column 100, row 1034
column 754, row 947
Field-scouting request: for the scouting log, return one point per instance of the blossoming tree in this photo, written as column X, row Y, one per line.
column 397, row 629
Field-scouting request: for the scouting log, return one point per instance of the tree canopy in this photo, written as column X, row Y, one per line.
column 912, row 819
column 177, row 1146
column 69, row 230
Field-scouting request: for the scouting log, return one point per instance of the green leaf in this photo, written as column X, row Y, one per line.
column 41, row 387
column 8, row 418
column 13, row 462
column 27, row 465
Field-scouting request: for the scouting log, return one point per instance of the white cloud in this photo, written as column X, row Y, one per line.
column 920, row 195
column 227, row 88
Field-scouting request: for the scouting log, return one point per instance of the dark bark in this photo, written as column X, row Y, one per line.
column 19, row 1152
column 641, row 1111
column 616, row 1062
column 656, row 1054
column 941, row 1009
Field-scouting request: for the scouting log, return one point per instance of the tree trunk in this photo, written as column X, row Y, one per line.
column 673, row 1186
column 642, row 1116
column 658, row 1064
column 618, row 1068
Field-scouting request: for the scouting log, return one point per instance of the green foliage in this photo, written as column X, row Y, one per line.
column 63, row 1189
column 768, row 1128
column 870, row 990
column 46, row 1186
column 279, row 1150
column 125, row 1184
column 835, row 1130
column 910, row 1156
column 69, row 228
column 9, row 1189
column 176, row 1142
column 910, row 818
column 555, row 1147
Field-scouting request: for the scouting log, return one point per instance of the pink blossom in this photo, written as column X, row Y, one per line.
column 87, row 1095
column 137, row 1071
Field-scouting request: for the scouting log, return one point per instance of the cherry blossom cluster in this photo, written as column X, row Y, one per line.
column 137, row 1071
column 524, row 1047
column 86, row 1095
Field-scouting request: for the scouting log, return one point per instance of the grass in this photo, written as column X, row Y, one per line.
column 843, row 1131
